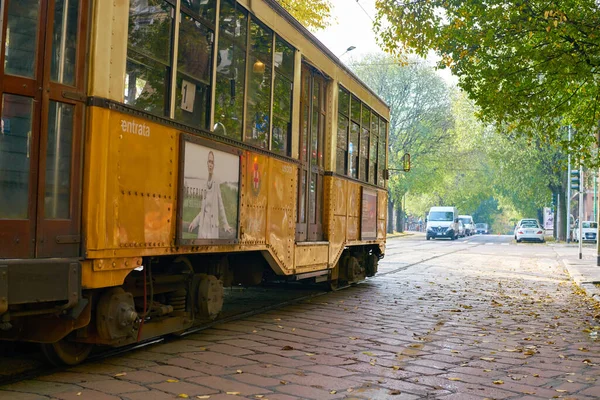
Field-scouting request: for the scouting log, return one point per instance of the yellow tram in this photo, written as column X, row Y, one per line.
column 154, row 151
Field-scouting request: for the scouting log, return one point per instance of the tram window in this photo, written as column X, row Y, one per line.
column 64, row 42
column 21, row 37
column 259, row 85
column 231, row 71
column 353, row 150
column 373, row 143
column 381, row 165
column 200, row 8
column 282, row 116
column 57, row 203
column 193, row 72
column 15, row 153
column 148, row 56
column 364, row 143
column 282, row 97
column 342, row 134
column 342, row 145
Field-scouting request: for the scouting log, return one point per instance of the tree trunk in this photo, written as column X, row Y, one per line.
column 399, row 219
column 390, row 215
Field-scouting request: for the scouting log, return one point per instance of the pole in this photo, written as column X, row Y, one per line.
column 568, row 192
column 581, row 189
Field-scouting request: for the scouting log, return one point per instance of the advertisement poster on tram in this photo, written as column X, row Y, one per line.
column 210, row 194
column 368, row 225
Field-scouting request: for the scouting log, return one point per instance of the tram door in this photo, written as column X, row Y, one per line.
column 41, row 109
column 312, row 132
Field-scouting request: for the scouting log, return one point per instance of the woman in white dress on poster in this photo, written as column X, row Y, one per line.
column 212, row 208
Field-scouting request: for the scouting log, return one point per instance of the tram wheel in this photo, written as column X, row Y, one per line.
column 65, row 352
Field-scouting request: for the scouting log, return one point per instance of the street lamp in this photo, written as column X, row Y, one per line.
column 347, row 50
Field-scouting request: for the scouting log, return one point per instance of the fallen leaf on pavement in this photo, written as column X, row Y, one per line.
column 454, row 379
column 172, row 380
column 499, row 382
column 487, row 358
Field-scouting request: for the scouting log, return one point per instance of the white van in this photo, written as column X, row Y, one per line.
column 467, row 221
column 442, row 222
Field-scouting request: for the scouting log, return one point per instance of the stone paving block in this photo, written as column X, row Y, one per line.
column 320, row 381
column 329, row 370
column 100, row 368
column 223, row 360
column 268, row 369
column 202, row 367
column 176, row 372
column 130, row 362
column 230, row 349
column 377, row 393
column 256, row 380
column 305, row 392
column 278, row 360
column 86, row 394
column 72, row 377
column 151, row 394
column 39, row 387
column 278, row 396
column 289, row 352
column 180, row 387
column 179, row 346
column 242, row 343
column 8, row 395
column 143, row 377
column 229, row 385
column 114, row 386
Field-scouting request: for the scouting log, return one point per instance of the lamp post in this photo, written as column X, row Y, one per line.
column 347, row 50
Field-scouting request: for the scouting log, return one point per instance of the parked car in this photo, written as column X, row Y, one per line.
column 529, row 229
column 589, row 231
column 482, row 228
column 467, row 221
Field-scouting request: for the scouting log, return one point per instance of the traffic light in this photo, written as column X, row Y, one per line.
column 575, row 180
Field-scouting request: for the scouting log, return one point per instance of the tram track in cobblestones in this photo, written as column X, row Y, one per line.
column 27, row 363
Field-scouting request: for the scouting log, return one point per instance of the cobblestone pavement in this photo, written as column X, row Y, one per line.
column 484, row 322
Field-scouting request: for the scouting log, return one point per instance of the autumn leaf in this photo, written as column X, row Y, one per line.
column 233, row 393
column 183, row 396
column 121, row 374
column 239, row 371
column 487, row 358
column 332, row 392
column 498, row 382
column 172, row 380
column 454, row 379
column 368, row 353
column 286, row 348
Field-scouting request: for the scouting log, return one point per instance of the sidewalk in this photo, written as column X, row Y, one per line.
column 585, row 273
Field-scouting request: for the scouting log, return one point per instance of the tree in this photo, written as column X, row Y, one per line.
column 420, row 112
column 313, row 14
column 531, row 66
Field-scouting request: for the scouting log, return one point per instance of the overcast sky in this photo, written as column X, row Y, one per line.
column 353, row 26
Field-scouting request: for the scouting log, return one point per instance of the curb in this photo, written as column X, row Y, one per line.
column 585, row 274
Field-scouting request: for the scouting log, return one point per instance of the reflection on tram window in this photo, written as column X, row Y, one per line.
column 15, row 156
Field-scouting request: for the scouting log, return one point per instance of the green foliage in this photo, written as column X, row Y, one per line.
column 313, row 14
column 420, row 113
column 530, row 66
